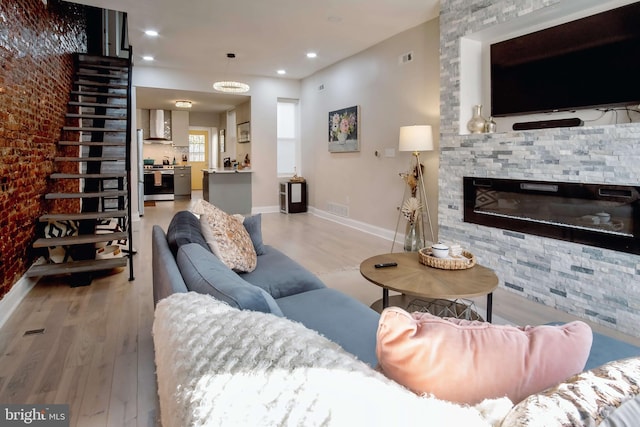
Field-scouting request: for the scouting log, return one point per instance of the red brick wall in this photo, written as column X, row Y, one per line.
column 36, row 70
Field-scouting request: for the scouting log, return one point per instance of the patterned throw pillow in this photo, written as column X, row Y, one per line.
column 235, row 248
column 56, row 229
column 587, row 399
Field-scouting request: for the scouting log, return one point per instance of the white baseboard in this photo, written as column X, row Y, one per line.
column 265, row 209
column 16, row 294
column 358, row 225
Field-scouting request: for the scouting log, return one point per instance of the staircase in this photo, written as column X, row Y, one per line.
column 96, row 147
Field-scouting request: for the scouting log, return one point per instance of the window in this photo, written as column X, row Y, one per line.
column 288, row 138
column 197, row 147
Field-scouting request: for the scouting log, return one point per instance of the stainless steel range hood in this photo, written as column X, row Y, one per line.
column 157, row 126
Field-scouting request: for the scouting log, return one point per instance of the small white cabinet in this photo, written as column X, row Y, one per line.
column 293, row 197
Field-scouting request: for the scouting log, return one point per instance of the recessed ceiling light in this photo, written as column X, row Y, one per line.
column 148, row 58
column 281, row 72
column 152, row 33
column 311, row 55
column 183, row 104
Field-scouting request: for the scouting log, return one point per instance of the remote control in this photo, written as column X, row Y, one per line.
column 386, row 264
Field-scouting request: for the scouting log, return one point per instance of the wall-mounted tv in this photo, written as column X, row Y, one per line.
column 587, row 63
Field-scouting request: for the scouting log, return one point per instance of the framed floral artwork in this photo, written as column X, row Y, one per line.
column 344, row 130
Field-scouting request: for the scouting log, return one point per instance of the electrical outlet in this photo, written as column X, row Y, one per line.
column 405, row 58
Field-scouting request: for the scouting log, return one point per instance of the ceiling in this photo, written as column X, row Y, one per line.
column 265, row 35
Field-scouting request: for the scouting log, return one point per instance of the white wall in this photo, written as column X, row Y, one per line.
column 264, row 95
column 390, row 95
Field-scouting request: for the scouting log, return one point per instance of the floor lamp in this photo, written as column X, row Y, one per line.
column 416, row 139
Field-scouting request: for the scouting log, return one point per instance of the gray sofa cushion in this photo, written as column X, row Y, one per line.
column 204, row 273
column 167, row 279
column 605, row 349
column 626, row 415
column 184, row 228
column 253, row 225
column 281, row 276
column 337, row 316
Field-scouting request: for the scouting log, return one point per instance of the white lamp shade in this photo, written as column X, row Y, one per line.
column 416, row 138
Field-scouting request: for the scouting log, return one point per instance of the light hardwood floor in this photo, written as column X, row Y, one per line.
column 96, row 352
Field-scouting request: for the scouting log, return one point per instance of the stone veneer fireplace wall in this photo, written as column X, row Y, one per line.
column 598, row 284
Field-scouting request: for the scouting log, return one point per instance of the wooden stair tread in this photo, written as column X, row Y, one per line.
column 88, row 159
column 84, row 57
column 94, row 116
column 58, row 196
column 90, row 129
column 117, row 76
column 76, row 267
column 98, row 94
column 82, row 215
column 83, row 82
column 45, row 242
column 88, row 143
column 109, row 175
column 96, row 104
column 110, row 65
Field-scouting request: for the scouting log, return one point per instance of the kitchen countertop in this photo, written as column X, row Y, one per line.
column 227, row 170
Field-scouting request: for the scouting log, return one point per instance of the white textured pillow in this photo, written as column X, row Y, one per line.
column 234, row 245
column 219, row 366
column 209, row 237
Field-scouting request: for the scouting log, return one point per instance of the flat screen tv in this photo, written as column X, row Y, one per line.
column 587, row 63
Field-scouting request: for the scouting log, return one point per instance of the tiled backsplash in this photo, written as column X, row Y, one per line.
column 598, row 284
column 160, row 152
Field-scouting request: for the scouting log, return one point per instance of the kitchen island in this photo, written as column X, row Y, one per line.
column 228, row 189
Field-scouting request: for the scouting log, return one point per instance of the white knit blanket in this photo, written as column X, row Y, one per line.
column 217, row 365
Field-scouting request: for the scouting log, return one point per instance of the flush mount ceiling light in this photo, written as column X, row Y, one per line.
column 230, row 86
column 183, row 104
column 151, row 33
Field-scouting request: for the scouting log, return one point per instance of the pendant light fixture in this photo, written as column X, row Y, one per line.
column 230, row 86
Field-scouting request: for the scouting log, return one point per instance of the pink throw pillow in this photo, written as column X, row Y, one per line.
column 468, row 361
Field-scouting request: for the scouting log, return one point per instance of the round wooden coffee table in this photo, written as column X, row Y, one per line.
column 413, row 279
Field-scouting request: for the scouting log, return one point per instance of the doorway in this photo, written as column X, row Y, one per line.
column 198, row 155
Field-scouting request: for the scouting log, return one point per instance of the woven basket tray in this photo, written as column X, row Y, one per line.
column 466, row 260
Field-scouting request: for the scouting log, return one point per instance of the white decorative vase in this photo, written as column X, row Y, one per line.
column 342, row 137
column 477, row 123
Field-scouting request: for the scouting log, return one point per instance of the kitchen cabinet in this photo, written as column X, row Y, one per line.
column 182, row 181
column 230, row 190
column 180, row 128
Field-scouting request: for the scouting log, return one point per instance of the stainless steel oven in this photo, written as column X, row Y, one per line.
column 158, row 184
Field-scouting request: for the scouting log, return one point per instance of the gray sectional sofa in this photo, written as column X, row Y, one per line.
column 183, row 262
column 206, row 351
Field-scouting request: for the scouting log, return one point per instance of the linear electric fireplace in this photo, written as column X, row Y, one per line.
column 606, row 216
